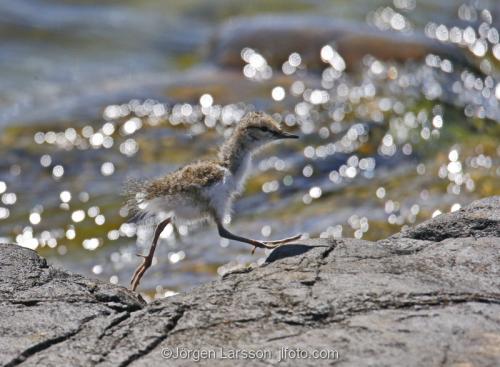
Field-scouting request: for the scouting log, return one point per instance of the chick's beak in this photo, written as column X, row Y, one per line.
column 285, row 135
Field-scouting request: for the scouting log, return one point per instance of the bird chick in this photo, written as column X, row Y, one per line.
column 206, row 189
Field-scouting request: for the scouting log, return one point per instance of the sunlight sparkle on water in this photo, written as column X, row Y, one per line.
column 107, row 168
column 9, row 198
column 35, row 218
column 58, row 171
column 78, row 216
column 278, row 93
column 91, row 244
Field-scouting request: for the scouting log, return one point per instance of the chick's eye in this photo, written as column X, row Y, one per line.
column 264, row 128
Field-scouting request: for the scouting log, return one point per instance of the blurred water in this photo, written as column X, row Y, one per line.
column 56, row 52
column 93, row 93
column 65, row 59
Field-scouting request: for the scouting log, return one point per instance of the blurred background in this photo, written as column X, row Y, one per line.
column 397, row 103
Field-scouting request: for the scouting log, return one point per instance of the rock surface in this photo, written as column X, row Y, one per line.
column 277, row 36
column 429, row 296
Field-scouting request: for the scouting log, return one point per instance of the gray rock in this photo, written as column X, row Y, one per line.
column 277, row 36
column 480, row 219
column 429, row 296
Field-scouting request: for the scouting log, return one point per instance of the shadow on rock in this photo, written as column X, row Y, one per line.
column 285, row 251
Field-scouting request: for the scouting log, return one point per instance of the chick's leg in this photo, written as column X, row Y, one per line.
column 148, row 259
column 223, row 232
